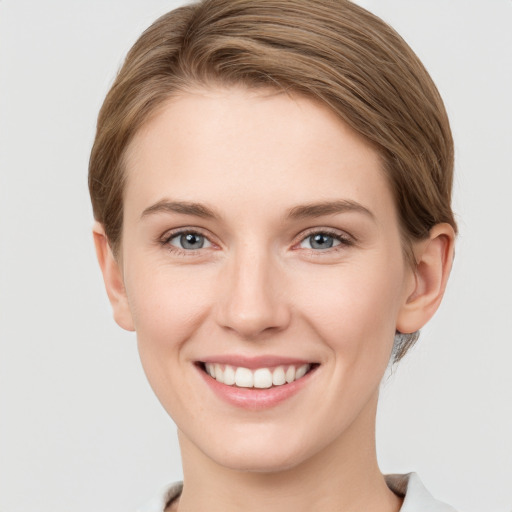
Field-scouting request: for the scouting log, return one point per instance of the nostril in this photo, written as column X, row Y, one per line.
column 253, row 303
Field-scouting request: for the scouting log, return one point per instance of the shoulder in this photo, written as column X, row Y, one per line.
column 416, row 497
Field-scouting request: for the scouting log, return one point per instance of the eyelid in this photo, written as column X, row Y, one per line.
column 166, row 238
column 179, row 235
column 343, row 237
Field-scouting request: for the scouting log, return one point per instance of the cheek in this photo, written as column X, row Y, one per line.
column 354, row 309
column 167, row 306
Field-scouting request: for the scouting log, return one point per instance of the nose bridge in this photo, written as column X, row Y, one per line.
column 252, row 293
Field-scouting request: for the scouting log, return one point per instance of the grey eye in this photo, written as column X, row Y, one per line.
column 319, row 241
column 189, row 241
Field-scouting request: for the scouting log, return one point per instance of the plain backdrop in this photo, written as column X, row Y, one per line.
column 79, row 426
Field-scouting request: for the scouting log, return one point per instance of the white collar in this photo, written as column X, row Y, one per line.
column 416, row 497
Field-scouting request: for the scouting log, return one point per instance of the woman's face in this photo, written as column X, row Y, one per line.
column 261, row 241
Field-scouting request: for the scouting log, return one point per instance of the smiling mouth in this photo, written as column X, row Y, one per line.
column 259, row 378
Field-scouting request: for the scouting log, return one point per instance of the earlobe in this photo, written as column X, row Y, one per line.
column 434, row 258
column 113, row 279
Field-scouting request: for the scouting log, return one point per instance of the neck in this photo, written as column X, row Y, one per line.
column 343, row 476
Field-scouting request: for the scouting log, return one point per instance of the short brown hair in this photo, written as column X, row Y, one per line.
column 331, row 50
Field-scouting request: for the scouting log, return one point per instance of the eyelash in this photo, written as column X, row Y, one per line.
column 166, row 239
column 343, row 239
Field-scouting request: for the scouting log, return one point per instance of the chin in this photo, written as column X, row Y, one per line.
column 257, row 457
column 259, row 464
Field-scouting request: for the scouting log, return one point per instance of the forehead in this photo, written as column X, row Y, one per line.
column 228, row 145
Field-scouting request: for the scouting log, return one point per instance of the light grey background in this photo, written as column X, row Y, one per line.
column 79, row 427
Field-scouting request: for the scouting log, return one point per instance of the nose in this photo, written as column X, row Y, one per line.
column 252, row 299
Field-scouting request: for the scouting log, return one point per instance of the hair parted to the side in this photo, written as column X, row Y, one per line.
column 330, row 50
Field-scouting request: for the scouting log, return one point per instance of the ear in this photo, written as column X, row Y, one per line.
column 113, row 278
column 434, row 258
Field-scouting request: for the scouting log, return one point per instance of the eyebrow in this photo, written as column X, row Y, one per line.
column 310, row 210
column 327, row 208
column 183, row 207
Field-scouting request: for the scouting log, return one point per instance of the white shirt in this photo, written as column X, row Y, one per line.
column 416, row 497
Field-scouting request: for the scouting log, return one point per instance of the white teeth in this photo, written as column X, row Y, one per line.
column 261, row 378
column 301, row 371
column 229, row 375
column 278, row 376
column 290, row 374
column 210, row 368
column 244, row 378
column 219, row 374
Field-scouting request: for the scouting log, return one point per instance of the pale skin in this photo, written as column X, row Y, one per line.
column 297, row 254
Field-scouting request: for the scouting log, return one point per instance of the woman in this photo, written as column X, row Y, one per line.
column 271, row 183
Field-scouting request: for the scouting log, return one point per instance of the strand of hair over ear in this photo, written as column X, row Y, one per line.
column 402, row 343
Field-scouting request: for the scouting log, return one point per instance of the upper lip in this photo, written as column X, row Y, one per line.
column 252, row 363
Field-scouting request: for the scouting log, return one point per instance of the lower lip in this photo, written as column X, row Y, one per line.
column 254, row 398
